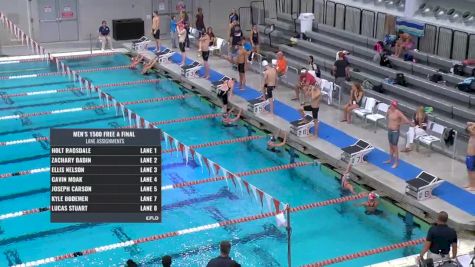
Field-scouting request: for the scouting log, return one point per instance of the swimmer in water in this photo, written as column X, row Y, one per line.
column 273, row 143
column 135, row 61
column 228, row 120
column 346, row 186
column 371, row 205
column 147, row 67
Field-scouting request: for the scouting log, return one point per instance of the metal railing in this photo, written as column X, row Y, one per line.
column 268, row 30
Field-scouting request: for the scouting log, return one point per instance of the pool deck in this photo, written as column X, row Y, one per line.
column 384, row 182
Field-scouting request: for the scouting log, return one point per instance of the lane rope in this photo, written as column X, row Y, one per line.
column 179, row 120
column 366, row 253
column 67, row 57
column 210, row 144
column 178, row 185
column 64, row 90
column 78, row 109
column 176, row 233
column 57, row 73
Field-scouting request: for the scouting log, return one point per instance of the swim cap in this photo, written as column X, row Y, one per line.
column 265, row 63
column 372, row 196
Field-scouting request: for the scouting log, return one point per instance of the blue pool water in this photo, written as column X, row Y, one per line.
column 317, row 234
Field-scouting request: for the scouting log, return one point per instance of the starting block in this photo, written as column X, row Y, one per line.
column 190, row 70
column 257, row 105
column 302, row 128
column 141, row 44
column 357, row 152
column 216, row 84
column 421, row 187
column 164, row 55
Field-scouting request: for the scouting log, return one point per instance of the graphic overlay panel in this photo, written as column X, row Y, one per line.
column 105, row 175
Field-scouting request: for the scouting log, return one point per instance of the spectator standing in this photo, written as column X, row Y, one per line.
column 173, row 32
column 470, row 160
column 223, row 260
column 186, row 22
column 440, row 239
column 104, row 35
column 233, row 16
column 281, row 66
column 313, row 67
column 212, row 38
column 341, row 69
column 235, row 38
column 255, row 39
column 200, row 20
column 156, row 29
column 420, row 121
column 403, row 44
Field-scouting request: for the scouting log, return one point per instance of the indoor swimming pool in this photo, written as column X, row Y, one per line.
column 317, row 234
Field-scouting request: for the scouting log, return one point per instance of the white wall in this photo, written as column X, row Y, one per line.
column 92, row 12
column 12, row 9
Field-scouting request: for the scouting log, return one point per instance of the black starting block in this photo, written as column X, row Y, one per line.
column 164, row 55
column 257, row 105
column 421, row 187
column 301, row 128
column 357, row 152
column 190, row 70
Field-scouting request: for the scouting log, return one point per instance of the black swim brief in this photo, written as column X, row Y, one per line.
column 269, row 90
column 156, row 35
column 205, row 55
column 182, row 46
column 313, row 110
column 241, row 68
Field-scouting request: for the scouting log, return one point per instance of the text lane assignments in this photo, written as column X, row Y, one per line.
column 105, row 175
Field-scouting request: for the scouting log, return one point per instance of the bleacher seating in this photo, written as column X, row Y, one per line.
column 452, row 107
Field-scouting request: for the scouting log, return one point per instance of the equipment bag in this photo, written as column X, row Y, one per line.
column 436, row 78
column 467, row 85
column 458, row 69
column 400, row 79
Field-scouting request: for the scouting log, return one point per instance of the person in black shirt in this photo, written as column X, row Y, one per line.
column 439, row 239
column 341, row 69
column 104, row 35
column 223, row 260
